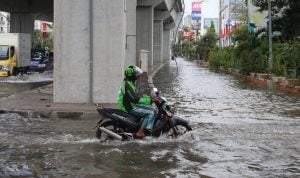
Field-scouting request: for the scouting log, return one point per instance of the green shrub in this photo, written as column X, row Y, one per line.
column 215, row 57
column 252, row 55
column 286, row 58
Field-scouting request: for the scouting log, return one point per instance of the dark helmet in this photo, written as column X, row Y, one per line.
column 133, row 72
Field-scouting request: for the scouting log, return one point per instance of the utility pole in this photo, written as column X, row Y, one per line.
column 180, row 47
column 220, row 24
column 248, row 15
column 270, row 36
column 189, row 45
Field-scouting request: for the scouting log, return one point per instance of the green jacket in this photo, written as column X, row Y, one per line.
column 128, row 98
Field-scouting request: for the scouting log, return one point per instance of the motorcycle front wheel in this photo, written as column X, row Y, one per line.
column 178, row 130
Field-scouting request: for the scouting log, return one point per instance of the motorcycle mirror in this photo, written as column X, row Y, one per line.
column 154, row 92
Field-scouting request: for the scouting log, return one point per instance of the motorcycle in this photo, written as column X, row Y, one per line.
column 119, row 125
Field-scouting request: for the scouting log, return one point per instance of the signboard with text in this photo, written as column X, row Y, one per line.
column 196, row 26
column 196, row 15
column 186, row 35
column 196, row 6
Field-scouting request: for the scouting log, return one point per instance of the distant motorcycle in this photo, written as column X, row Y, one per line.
column 119, row 125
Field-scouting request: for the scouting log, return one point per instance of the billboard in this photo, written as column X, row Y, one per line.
column 196, row 6
column 186, row 35
column 196, row 26
column 196, row 15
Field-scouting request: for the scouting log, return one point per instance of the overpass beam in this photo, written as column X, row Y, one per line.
column 161, row 15
column 149, row 2
column 21, row 23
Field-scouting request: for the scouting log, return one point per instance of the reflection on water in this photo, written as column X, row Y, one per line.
column 239, row 131
column 243, row 130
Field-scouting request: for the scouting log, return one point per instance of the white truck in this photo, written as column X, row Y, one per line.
column 15, row 53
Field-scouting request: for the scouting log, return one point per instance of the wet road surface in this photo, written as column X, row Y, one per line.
column 239, row 131
column 15, row 84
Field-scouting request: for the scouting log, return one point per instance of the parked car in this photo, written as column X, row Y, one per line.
column 39, row 60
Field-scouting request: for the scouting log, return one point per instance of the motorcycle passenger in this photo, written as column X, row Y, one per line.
column 134, row 103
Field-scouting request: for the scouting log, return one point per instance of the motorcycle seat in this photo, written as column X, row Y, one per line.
column 110, row 111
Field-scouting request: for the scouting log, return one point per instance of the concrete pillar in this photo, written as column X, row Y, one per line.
column 145, row 31
column 21, row 23
column 131, row 54
column 72, row 51
column 109, row 49
column 166, row 45
column 157, row 42
column 89, row 44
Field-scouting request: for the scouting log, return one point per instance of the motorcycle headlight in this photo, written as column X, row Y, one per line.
column 7, row 67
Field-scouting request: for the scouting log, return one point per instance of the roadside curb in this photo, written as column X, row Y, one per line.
column 267, row 80
column 51, row 114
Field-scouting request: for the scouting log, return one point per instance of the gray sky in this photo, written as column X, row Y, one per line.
column 210, row 8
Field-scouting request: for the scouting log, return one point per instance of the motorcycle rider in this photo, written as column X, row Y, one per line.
column 134, row 103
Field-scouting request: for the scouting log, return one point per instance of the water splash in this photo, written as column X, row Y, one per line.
column 29, row 78
column 16, row 170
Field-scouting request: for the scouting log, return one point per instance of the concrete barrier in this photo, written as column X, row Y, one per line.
column 263, row 76
column 268, row 80
column 143, row 60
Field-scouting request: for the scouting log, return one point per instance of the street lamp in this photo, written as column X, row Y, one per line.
column 270, row 36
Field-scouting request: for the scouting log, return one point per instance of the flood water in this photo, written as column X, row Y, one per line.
column 238, row 131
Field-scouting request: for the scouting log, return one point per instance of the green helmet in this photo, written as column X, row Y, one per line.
column 133, row 71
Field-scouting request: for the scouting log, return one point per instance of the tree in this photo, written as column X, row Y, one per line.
column 48, row 43
column 211, row 35
column 288, row 16
column 207, row 43
column 37, row 39
column 39, row 42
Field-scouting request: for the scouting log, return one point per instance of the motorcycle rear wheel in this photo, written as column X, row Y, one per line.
column 108, row 124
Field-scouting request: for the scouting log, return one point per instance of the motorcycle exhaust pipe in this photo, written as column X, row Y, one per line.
column 110, row 133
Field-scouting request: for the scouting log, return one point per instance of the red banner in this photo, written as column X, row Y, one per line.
column 196, row 6
column 186, row 35
column 44, row 34
column 44, row 27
